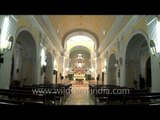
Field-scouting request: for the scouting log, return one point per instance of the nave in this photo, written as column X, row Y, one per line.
column 56, row 60
column 80, row 95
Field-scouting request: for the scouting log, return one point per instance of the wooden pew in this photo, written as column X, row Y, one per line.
column 99, row 93
column 61, row 91
column 20, row 97
column 104, row 94
column 141, row 98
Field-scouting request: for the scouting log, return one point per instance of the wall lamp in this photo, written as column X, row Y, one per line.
column 43, row 61
column 116, row 64
column 7, row 47
column 5, row 44
column 104, row 69
column 153, row 47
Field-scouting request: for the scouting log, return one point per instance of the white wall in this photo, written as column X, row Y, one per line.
column 144, row 55
column 155, row 60
column 5, row 68
column 155, row 67
column 17, row 61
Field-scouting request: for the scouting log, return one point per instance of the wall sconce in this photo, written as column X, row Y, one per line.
column 104, row 69
column 120, row 61
column 10, row 43
column 153, row 47
column 6, row 45
column 43, row 57
column 116, row 64
column 43, row 61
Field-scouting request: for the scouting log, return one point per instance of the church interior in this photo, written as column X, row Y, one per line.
column 93, row 60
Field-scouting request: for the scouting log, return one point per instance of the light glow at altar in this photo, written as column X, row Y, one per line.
column 79, row 64
column 80, row 40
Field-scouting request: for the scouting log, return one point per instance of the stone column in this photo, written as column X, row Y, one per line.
column 54, row 67
column 93, row 68
column 98, row 60
column 42, row 68
column 61, row 67
column 152, row 26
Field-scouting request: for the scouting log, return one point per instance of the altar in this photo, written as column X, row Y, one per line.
column 79, row 68
column 79, row 76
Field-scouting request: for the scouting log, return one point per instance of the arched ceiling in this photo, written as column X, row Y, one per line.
column 80, row 41
column 95, row 24
column 100, row 28
column 80, row 48
column 86, row 55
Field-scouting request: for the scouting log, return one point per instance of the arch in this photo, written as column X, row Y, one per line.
column 24, row 28
column 136, row 53
column 24, row 52
column 81, row 49
column 11, row 39
column 49, row 69
column 111, row 70
column 83, row 32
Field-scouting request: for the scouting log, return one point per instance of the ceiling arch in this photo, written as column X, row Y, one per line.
column 97, row 25
column 83, row 32
column 80, row 50
column 80, row 40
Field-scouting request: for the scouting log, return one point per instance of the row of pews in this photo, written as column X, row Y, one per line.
column 104, row 94
column 52, row 94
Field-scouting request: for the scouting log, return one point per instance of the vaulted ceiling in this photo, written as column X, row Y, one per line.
column 100, row 28
column 81, row 50
column 94, row 24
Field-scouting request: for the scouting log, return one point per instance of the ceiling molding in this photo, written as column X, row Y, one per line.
column 36, row 24
column 117, row 23
column 110, row 37
column 84, row 32
column 52, row 32
column 79, row 48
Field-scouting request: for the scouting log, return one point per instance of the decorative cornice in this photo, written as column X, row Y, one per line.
column 109, row 39
column 36, row 24
column 112, row 31
column 52, row 31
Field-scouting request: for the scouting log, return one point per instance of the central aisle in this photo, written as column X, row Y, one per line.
column 80, row 96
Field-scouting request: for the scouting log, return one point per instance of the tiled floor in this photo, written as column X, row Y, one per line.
column 80, row 96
